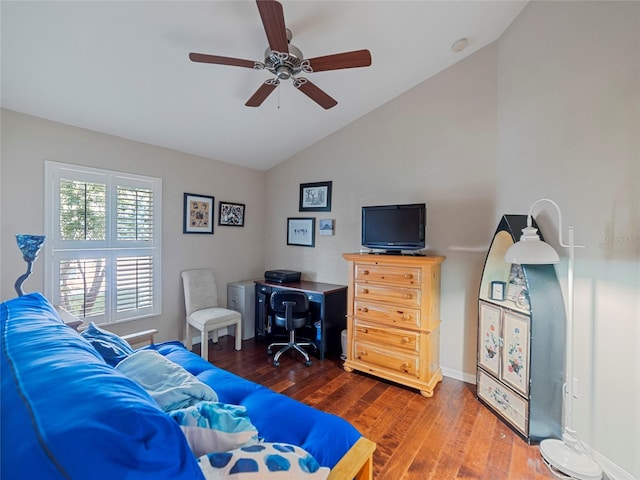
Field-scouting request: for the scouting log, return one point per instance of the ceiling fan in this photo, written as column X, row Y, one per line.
column 286, row 61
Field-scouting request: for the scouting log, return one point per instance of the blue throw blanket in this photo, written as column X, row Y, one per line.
column 170, row 385
column 208, row 425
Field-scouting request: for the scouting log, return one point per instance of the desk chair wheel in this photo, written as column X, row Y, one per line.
column 308, row 363
column 276, row 363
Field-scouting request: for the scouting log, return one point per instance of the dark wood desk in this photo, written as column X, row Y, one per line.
column 328, row 304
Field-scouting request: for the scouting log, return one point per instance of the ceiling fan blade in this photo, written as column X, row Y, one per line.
column 357, row 58
column 262, row 93
column 272, row 16
column 218, row 60
column 314, row 93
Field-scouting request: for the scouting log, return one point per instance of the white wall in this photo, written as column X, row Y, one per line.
column 550, row 110
column 435, row 144
column 569, row 129
column 234, row 253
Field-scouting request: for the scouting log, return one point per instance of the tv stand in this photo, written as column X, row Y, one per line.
column 399, row 253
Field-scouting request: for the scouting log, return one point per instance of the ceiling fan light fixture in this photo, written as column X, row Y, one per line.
column 284, row 72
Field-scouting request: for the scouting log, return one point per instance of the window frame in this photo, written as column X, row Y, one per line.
column 56, row 249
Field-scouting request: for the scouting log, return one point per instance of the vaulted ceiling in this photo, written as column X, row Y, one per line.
column 122, row 67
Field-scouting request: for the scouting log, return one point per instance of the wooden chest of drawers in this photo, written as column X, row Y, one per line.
column 393, row 318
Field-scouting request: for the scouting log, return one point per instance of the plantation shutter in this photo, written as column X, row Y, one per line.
column 105, row 243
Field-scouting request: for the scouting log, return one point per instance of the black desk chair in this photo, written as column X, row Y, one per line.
column 291, row 312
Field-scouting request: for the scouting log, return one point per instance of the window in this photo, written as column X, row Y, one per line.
column 103, row 242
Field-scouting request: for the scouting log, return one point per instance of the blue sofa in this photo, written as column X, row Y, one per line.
column 66, row 413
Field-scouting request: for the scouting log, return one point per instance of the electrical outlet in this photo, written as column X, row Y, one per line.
column 575, row 387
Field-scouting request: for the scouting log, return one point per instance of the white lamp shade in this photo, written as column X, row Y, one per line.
column 530, row 250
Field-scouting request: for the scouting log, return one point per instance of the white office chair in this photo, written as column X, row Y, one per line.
column 203, row 313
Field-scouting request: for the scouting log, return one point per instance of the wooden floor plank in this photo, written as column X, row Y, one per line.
column 448, row 436
column 476, row 454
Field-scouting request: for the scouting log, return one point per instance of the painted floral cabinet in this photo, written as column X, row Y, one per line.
column 504, row 345
column 520, row 339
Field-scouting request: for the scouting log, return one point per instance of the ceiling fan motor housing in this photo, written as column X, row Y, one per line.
column 285, row 65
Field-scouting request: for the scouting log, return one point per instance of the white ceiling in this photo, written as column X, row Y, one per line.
column 122, row 67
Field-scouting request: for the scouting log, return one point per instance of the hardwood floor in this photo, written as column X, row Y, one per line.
column 448, row 436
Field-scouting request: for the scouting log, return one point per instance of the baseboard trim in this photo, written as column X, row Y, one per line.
column 458, row 375
column 610, row 469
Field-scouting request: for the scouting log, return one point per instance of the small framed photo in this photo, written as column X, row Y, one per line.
column 301, row 231
column 315, row 197
column 198, row 214
column 498, row 291
column 325, row 226
column 231, row 214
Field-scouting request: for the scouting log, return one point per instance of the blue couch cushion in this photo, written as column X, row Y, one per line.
column 67, row 414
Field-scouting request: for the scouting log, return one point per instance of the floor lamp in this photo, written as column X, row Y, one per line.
column 566, row 456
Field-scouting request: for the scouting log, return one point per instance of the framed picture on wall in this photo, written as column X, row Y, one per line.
column 325, row 226
column 315, row 197
column 301, row 231
column 231, row 214
column 198, row 214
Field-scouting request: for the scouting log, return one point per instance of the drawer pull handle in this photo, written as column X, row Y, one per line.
column 365, row 290
column 408, row 275
column 365, row 272
column 364, row 309
column 404, row 367
column 363, row 353
column 406, row 296
column 405, row 340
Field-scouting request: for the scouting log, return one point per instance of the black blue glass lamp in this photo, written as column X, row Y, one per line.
column 29, row 245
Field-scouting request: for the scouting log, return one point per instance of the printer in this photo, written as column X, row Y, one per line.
column 281, row 276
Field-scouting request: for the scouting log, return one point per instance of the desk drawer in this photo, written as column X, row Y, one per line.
column 387, row 314
column 315, row 297
column 378, row 356
column 408, row 297
column 407, row 276
column 383, row 337
column 235, row 298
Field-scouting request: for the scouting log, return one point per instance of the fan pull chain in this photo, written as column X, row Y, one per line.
column 278, row 97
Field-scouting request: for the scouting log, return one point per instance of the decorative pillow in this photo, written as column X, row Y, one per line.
column 215, row 427
column 277, row 461
column 109, row 345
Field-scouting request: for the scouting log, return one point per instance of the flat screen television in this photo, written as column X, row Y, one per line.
column 394, row 228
